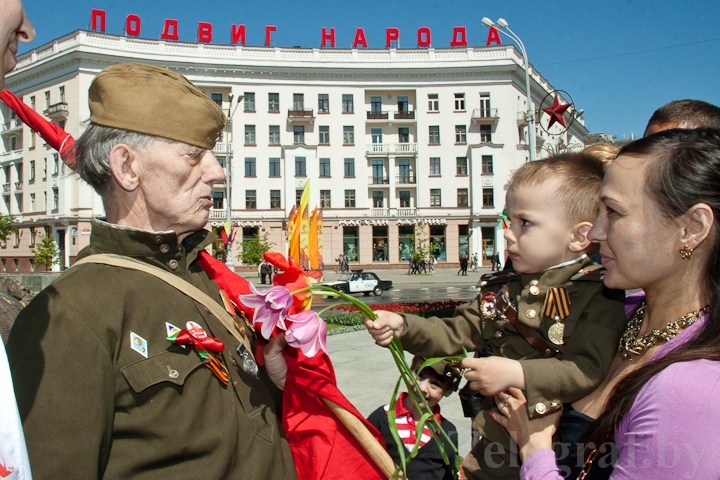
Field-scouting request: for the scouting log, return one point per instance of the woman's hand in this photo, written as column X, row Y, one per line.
column 275, row 364
column 530, row 435
column 384, row 327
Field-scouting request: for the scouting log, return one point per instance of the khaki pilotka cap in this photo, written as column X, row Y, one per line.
column 447, row 370
column 154, row 100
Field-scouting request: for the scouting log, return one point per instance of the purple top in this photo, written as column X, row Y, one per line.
column 671, row 430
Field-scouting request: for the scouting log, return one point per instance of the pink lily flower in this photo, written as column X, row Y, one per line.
column 271, row 308
column 308, row 332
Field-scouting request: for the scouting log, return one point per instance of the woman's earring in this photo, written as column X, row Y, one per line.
column 686, row 252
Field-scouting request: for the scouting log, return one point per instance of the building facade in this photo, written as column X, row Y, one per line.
column 399, row 145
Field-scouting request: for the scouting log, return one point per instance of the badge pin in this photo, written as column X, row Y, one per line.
column 172, row 373
column 487, row 306
column 172, row 330
column 139, row 344
column 248, row 364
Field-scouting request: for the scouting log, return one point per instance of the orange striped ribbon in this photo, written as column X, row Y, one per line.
column 557, row 303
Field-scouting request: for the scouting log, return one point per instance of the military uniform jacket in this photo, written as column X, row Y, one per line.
column 95, row 407
column 591, row 335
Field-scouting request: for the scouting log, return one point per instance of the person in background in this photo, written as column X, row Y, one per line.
column 435, row 381
column 659, row 231
column 683, row 114
column 14, row 27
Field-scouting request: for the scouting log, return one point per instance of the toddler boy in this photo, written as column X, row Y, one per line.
column 550, row 326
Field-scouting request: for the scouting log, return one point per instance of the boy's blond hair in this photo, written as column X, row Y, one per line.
column 580, row 176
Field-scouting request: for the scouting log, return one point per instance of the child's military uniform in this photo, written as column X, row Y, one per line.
column 583, row 337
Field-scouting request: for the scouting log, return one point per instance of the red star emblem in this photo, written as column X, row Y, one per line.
column 556, row 112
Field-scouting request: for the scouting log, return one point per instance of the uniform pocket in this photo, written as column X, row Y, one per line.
column 170, row 366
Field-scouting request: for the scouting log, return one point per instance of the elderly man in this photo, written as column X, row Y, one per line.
column 126, row 369
column 14, row 28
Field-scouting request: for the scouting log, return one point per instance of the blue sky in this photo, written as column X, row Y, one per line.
column 619, row 59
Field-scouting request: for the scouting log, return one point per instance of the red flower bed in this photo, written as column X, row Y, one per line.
column 417, row 308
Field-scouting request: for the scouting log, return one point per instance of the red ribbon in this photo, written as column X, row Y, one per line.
column 207, row 343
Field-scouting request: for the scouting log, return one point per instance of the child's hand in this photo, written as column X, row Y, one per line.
column 492, row 375
column 383, row 327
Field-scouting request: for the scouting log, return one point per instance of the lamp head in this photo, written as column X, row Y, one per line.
column 502, row 23
column 487, row 22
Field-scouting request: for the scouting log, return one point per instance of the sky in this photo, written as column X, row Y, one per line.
column 619, row 59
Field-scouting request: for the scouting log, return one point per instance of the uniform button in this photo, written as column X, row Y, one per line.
column 499, row 334
column 173, row 264
column 158, row 240
column 531, row 314
column 534, row 283
column 482, row 283
column 534, row 290
column 164, row 248
column 540, row 408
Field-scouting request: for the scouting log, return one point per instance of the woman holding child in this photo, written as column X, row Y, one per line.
column 659, row 231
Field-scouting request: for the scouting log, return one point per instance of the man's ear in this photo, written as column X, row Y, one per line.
column 124, row 167
column 580, row 241
column 697, row 225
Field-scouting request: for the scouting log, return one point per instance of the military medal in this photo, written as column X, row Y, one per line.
column 557, row 306
column 487, row 306
column 248, row 363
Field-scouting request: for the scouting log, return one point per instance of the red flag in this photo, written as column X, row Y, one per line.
column 233, row 284
column 55, row 136
column 224, row 236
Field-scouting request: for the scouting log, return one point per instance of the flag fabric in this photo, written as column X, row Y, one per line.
column 52, row 133
column 293, row 233
column 304, row 226
column 321, row 264
column 313, row 240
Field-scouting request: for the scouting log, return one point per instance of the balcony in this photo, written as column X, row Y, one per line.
column 522, row 119
column 405, row 115
column 384, row 149
column 218, row 214
column 12, row 126
column 405, row 179
column 57, row 112
column 378, row 180
column 6, row 188
column 377, row 115
column 222, row 148
column 300, row 116
column 485, row 116
column 377, row 212
column 18, row 186
column 407, row 212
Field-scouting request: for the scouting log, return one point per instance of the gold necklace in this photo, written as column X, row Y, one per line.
column 631, row 343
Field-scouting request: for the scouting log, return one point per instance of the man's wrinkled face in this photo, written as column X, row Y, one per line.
column 14, row 27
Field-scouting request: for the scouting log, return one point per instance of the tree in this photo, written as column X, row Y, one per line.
column 253, row 249
column 6, row 228
column 47, row 253
column 421, row 244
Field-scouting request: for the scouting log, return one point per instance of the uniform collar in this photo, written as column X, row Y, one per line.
column 557, row 274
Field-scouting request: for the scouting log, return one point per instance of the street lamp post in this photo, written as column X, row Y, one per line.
column 228, row 177
column 530, row 114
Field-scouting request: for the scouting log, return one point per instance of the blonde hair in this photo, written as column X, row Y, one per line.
column 607, row 152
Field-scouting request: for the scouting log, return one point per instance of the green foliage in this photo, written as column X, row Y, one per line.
column 6, row 228
column 422, row 245
column 47, row 253
column 254, row 248
column 344, row 318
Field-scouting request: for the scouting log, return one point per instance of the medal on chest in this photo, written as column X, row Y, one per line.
column 557, row 307
column 207, row 347
column 487, row 306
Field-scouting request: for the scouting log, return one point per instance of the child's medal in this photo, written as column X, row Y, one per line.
column 557, row 306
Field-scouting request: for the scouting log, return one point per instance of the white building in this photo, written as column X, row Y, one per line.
column 395, row 142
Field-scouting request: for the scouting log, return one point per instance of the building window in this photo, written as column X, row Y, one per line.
column 275, row 199
column 460, row 134
column 348, row 135
column 376, row 104
column 324, row 167
column 376, row 136
column 462, row 165
column 487, row 164
column 273, row 102
column 434, row 165
column 13, row 143
column 488, row 198
column 325, row 198
column 274, row 167
column 274, row 132
column 378, row 199
column 32, row 170
column 380, row 244
column 485, row 134
column 47, row 99
column 349, row 164
column 324, row 131
column 249, row 134
column 56, row 164
column 406, row 241
column 298, row 134
column 485, row 105
column 217, row 98
column 462, row 197
column 434, row 134
column 251, row 199
column 218, row 198
column 437, row 241
column 347, row 103
column 351, row 243
column 404, row 135
column 32, row 102
column 32, row 202
column 298, row 101
column 300, row 167
column 403, row 104
column 435, row 197
column 56, row 199
column 433, row 102
column 62, row 94
column 250, row 167
column 323, row 103
column 32, row 236
column 404, row 198
column 249, row 102
column 459, row 102
column 45, row 169
column 349, row 198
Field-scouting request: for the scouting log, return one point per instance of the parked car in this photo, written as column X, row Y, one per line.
column 359, row 281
